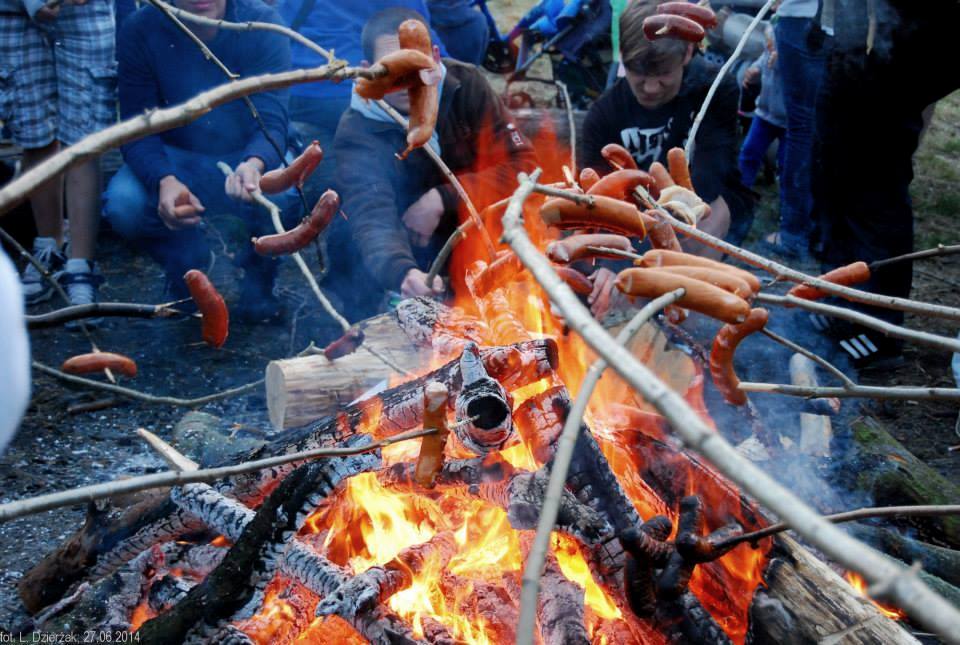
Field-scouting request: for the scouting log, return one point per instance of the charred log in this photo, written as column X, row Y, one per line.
column 485, row 422
column 560, row 609
column 644, row 556
column 684, row 620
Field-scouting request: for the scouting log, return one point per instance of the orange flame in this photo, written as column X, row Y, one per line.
column 860, row 586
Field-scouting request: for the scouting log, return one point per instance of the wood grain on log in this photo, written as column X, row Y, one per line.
column 816, row 430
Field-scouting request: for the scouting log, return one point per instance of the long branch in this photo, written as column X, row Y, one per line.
column 94, row 492
column 561, row 464
column 786, row 273
column 142, row 396
column 889, row 329
column 901, row 586
column 905, row 393
column 692, row 135
column 160, row 120
column 98, row 309
column 847, row 516
column 936, row 251
column 803, row 351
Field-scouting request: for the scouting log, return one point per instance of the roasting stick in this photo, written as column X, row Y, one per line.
column 60, row 292
column 174, row 458
column 819, row 360
column 781, row 271
column 691, row 137
column 898, row 584
column 936, row 251
column 847, row 516
column 124, row 309
column 561, row 464
column 908, row 393
column 94, row 492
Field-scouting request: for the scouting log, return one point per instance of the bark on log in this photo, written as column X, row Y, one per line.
column 941, row 562
column 560, row 608
column 816, row 430
column 896, row 477
column 804, row 601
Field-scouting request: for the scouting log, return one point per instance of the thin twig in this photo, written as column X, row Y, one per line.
column 618, row 252
column 174, row 458
column 577, row 198
column 847, row 516
column 533, row 568
column 159, row 120
column 938, row 250
column 889, row 329
column 100, row 309
column 927, row 607
column 94, row 492
column 803, row 351
column 784, row 272
column 142, row 396
column 571, row 124
column 274, row 211
column 458, row 235
column 899, row 393
column 692, row 135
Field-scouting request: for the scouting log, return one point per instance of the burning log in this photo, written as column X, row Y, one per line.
column 539, row 421
column 430, row 459
column 560, row 612
column 483, row 407
column 644, row 556
column 816, row 431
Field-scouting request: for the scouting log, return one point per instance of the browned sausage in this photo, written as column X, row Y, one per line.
column 296, row 174
column 606, row 213
column 577, row 247
column 663, row 257
column 671, row 26
column 717, row 277
column 721, row 355
column 846, row 275
column 430, row 459
column 588, row 178
column 700, row 296
column 346, row 344
column 182, row 204
column 620, row 184
column 413, row 34
column 660, row 233
column 679, row 170
column 99, row 361
column 497, row 274
column 575, row 280
column 618, row 157
column 701, row 15
column 401, row 69
column 303, row 233
column 424, row 108
column 216, row 318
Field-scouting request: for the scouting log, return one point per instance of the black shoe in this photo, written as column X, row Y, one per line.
column 866, row 348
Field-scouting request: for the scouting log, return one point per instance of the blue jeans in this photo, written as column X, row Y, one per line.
column 761, row 134
column 802, row 70
column 132, row 213
column 462, row 28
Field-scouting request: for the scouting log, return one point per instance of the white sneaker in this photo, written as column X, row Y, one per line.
column 36, row 288
column 80, row 279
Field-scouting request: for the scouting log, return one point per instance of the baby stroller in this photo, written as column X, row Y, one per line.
column 575, row 34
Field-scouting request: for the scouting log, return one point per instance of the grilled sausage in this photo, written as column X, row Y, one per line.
column 296, row 174
column 721, row 355
column 401, row 69
column 99, row 361
column 724, row 279
column 679, row 169
column 588, row 178
column 430, row 459
column 704, row 16
column 303, row 233
column 577, row 247
column 845, row 276
column 575, row 280
column 660, row 175
column 700, row 296
column 672, row 26
column 660, row 233
column 618, row 157
column 346, row 344
column 662, row 257
column 216, row 318
column 606, row 213
column 620, row 184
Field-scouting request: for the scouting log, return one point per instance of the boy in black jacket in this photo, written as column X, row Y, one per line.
column 401, row 212
column 651, row 110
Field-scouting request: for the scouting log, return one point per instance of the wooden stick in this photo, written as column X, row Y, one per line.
column 533, row 569
column 571, row 124
column 692, row 135
column 174, row 458
column 908, row 393
column 553, row 191
column 98, row 309
column 819, row 360
column 784, row 272
column 938, row 250
column 274, row 211
column 847, row 516
column 623, row 254
column 458, row 235
column 84, row 494
column 903, row 589
column 160, row 120
column 945, row 343
column 142, row 396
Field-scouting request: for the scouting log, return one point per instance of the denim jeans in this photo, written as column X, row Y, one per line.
column 132, row 213
column 761, row 134
column 801, row 68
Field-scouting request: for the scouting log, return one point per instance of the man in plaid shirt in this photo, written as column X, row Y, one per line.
column 57, row 85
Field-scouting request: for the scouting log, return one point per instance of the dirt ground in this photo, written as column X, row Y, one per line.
column 56, row 450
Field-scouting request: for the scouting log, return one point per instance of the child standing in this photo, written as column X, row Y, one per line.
column 770, row 117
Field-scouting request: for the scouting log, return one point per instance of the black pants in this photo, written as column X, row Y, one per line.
column 869, row 119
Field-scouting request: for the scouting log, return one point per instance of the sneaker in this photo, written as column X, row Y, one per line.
column 80, row 280
column 36, row 288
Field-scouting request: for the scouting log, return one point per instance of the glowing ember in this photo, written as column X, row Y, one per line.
column 860, row 585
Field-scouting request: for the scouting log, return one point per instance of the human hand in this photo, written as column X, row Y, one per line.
column 423, row 217
column 599, row 299
column 415, row 284
column 245, row 180
column 684, row 204
column 48, row 12
column 751, row 76
column 177, row 206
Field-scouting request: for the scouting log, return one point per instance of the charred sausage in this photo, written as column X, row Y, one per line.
column 216, row 318
column 303, row 233
column 700, row 296
column 99, row 361
column 721, row 355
